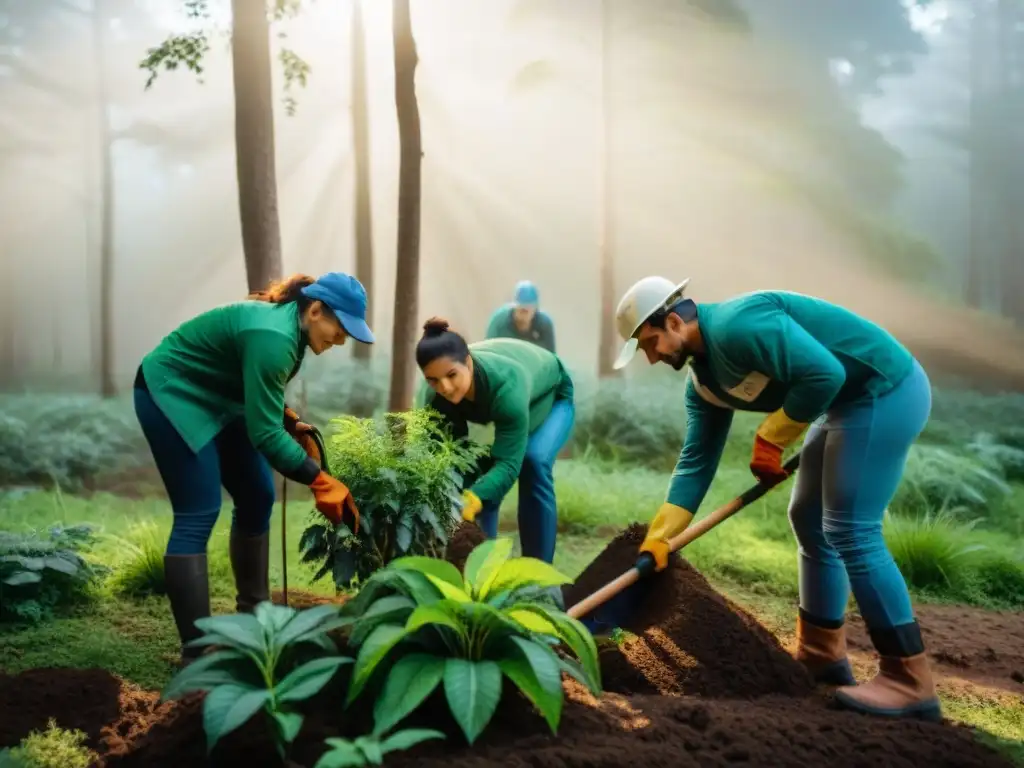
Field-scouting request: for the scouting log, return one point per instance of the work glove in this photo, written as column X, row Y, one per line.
column 303, row 434
column 334, row 501
column 471, row 506
column 773, row 437
column 670, row 521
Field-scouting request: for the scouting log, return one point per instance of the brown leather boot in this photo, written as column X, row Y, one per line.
column 187, row 585
column 903, row 686
column 822, row 650
column 250, row 562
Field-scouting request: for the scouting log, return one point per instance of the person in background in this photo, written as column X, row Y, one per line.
column 527, row 394
column 523, row 319
column 862, row 399
column 210, row 400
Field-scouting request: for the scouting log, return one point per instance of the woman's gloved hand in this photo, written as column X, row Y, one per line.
column 471, row 506
column 774, row 436
column 670, row 521
column 303, row 434
column 334, row 501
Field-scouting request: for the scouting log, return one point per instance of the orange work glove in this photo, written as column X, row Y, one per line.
column 776, row 433
column 303, row 434
column 334, row 501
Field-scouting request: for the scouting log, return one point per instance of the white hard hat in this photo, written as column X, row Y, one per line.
column 642, row 300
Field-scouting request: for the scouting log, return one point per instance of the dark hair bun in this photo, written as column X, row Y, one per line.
column 435, row 326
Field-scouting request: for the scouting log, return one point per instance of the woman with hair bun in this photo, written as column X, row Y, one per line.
column 210, row 400
column 526, row 393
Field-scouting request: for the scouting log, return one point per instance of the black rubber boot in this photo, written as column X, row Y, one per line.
column 188, row 588
column 903, row 686
column 821, row 647
column 250, row 562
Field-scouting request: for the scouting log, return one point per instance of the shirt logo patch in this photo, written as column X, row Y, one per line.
column 750, row 388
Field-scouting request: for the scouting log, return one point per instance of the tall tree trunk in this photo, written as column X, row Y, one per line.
column 1011, row 112
column 108, row 379
column 978, row 255
column 254, row 142
column 606, row 239
column 361, row 149
column 407, row 277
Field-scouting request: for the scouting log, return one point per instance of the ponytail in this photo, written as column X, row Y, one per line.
column 283, row 291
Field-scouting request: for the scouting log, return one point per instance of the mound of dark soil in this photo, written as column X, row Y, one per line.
column 691, row 639
column 466, row 538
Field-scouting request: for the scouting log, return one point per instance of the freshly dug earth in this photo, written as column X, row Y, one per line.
column 465, row 539
column 756, row 706
column 691, row 639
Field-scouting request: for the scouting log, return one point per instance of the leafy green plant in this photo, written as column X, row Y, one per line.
column 938, row 478
column 429, row 625
column 258, row 664
column 52, row 748
column 40, row 572
column 370, row 750
column 406, row 476
column 929, row 549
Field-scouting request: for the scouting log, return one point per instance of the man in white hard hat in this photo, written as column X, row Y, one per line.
column 862, row 400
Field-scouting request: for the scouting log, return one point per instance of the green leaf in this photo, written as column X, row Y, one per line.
column 288, row 725
column 342, row 754
column 371, row 750
column 484, row 560
column 394, row 609
column 403, row 537
column 532, row 621
column 239, row 629
column 307, row 680
column 408, row 685
column 344, row 568
column 273, row 617
column 206, row 673
column 316, row 620
column 473, row 689
column 61, row 565
column 522, row 572
column 408, row 738
column 535, row 670
column 430, row 566
column 372, row 652
column 448, row 591
column 574, row 634
column 444, row 613
column 23, row 577
column 229, row 706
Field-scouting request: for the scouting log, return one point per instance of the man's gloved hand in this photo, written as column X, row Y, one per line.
column 471, row 506
column 303, row 434
column 334, row 501
column 774, row 436
column 670, row 521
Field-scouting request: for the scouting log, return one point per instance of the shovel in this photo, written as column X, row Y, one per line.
column 612, row 605
column 318, row 438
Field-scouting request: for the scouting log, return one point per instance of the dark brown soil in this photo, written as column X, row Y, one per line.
column 465, row 539
column 691, row 639
column 755, row 706
column 300, row 599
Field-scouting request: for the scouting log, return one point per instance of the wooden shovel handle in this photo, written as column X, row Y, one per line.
column 645, row 564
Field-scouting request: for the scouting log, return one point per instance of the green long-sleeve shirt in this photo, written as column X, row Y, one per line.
column 229, row 362
column 774, row 349
column 503, row 326
column 516, row 384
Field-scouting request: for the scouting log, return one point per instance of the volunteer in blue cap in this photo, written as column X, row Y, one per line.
column 210, row 400
column 523, row 319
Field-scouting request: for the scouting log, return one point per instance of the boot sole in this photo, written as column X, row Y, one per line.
column 930, row 711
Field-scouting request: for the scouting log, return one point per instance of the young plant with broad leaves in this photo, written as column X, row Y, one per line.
column 406, row 477
column 422, row 624
column 271, row 660
column 370, row 750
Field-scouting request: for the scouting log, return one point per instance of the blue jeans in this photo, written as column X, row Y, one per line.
column 538, row 515
column 850, row 467
column 193, row 480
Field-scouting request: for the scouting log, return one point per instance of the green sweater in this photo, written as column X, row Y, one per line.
column 227, row 363
column 516, row 384
column 503, row 326
column 769, row 350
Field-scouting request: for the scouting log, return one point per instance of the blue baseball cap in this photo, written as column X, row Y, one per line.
column 346, row 298
column 526, row 293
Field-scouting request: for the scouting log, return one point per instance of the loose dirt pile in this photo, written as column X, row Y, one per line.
column 692, row 640
column 466, row 537
column 756, row 706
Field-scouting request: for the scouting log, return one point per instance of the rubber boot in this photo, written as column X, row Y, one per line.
column 188, row 588
column 250, row 562
column 822, row 649
column 903, row 686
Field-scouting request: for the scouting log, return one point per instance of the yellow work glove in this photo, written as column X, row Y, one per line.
column 471, row 506
column 774, row 436
column 670, row 521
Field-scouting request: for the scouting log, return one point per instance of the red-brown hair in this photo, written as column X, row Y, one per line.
column 283, row 291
